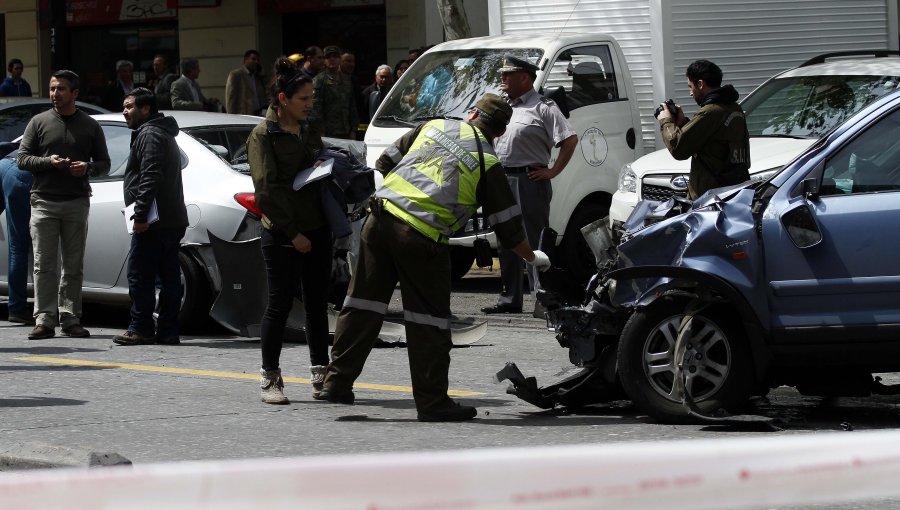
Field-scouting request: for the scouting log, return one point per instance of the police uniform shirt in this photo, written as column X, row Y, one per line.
column 537, row 125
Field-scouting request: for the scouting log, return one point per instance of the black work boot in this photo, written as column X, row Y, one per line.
column 448, row 412
column 335, row 396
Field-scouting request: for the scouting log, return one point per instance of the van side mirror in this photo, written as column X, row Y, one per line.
column 558, row 95
column 801, row 226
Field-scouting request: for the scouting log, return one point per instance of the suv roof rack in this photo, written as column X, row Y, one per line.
column 872, row 53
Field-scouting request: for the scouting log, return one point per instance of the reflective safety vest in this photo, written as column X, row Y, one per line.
column 433, row 188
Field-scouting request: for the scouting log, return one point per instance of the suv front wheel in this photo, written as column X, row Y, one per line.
column 716, row 362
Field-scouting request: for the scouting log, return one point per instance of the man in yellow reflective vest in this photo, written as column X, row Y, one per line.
column 436, row 176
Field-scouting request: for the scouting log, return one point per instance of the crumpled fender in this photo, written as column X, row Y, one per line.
column 670, row 280
column 717, row 237
column 715, row 245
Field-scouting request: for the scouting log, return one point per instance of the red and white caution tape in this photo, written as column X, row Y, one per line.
column 757, row 472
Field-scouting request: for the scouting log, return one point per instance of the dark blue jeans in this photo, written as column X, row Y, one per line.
column 15, row 188
column 154, row 255
column 288, row 271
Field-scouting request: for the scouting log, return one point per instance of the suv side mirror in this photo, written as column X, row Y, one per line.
column 558, row 95
column 801, row 226
column 219, row 150
column 811, row 188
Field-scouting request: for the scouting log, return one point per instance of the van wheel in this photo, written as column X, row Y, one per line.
column 717, row 360
column 573, row 253
column 461, row 260
column 196, row 297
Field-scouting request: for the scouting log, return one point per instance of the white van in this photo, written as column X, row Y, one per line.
column 584, row 73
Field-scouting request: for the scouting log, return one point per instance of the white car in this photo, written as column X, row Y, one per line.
column 218, row 193
column 785, row 115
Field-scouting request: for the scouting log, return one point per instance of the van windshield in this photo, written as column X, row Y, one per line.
column 446, row 84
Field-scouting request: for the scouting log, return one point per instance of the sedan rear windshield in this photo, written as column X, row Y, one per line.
column 809, row 106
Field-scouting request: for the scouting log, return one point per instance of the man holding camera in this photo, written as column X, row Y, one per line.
column 716, row 139
column 62, row 147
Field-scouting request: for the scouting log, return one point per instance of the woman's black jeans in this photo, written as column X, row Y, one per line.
column 288, row 271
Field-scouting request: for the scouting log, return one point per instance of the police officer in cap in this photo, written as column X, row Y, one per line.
column 436, row 176
column 536, row 127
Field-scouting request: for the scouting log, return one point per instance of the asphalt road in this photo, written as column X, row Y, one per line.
column 200, row 400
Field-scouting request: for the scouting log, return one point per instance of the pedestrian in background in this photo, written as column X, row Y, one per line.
column 14, row 85
column 245, row 88
column 375, row 93
column 334, row 105
column 313, row 62
column 161, row 85
column 405, row 240
column 716, row 139
column 296, row 242
column 120, row 87
column 62, row 147
column 15, row 188
column 400, row 68
column 153, row 184
column 186, row 93
column 348, row 67
column 537, row 126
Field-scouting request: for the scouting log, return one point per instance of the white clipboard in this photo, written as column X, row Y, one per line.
column 128, row 212
column 313, row 174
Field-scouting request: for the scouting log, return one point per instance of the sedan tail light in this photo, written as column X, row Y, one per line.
column 248, row 201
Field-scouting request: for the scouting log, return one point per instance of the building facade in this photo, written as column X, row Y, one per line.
column 89, row 36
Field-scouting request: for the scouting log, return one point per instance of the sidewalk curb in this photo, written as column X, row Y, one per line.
column 32, row 455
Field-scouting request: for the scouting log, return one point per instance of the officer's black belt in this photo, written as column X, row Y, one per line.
column 517, row 169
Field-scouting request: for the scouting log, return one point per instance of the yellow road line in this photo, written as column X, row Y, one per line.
column 217, row 373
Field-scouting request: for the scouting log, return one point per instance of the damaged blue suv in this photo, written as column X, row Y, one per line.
column 792, row 281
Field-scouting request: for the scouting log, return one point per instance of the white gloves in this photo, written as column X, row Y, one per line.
column 541, row 261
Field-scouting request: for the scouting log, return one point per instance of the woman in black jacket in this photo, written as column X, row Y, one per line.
column 296, row 242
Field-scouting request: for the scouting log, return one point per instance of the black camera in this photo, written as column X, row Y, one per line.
column 669, row 105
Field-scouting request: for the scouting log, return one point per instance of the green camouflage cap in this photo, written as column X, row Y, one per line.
column 331, row 50
column 494, row 107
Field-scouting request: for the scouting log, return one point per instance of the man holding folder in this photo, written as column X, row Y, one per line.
column 153, row 178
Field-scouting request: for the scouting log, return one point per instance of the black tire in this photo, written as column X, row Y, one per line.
column 461, row 260
column 573, row 253
column 723, row 376
column 197, row 297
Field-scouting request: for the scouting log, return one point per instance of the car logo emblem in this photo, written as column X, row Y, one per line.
column 679, row 182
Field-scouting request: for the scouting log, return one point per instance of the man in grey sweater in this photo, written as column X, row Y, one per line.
column 61, row 147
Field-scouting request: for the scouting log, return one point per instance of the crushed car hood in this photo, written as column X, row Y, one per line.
column 716, row 236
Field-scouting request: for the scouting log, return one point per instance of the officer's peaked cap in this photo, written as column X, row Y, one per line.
column 495, row 107
column 512, row 64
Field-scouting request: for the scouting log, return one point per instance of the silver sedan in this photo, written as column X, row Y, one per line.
column 218, row 193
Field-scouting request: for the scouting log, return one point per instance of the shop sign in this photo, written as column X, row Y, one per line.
column 282, row 6
column 102, row 12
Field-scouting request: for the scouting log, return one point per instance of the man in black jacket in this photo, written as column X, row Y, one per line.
column 153, row 186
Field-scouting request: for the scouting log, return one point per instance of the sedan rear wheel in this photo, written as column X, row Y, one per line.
column 716, row 361
column 196, row 297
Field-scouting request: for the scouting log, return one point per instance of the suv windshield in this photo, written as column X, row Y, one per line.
column 446, row 84
column 809, row 106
